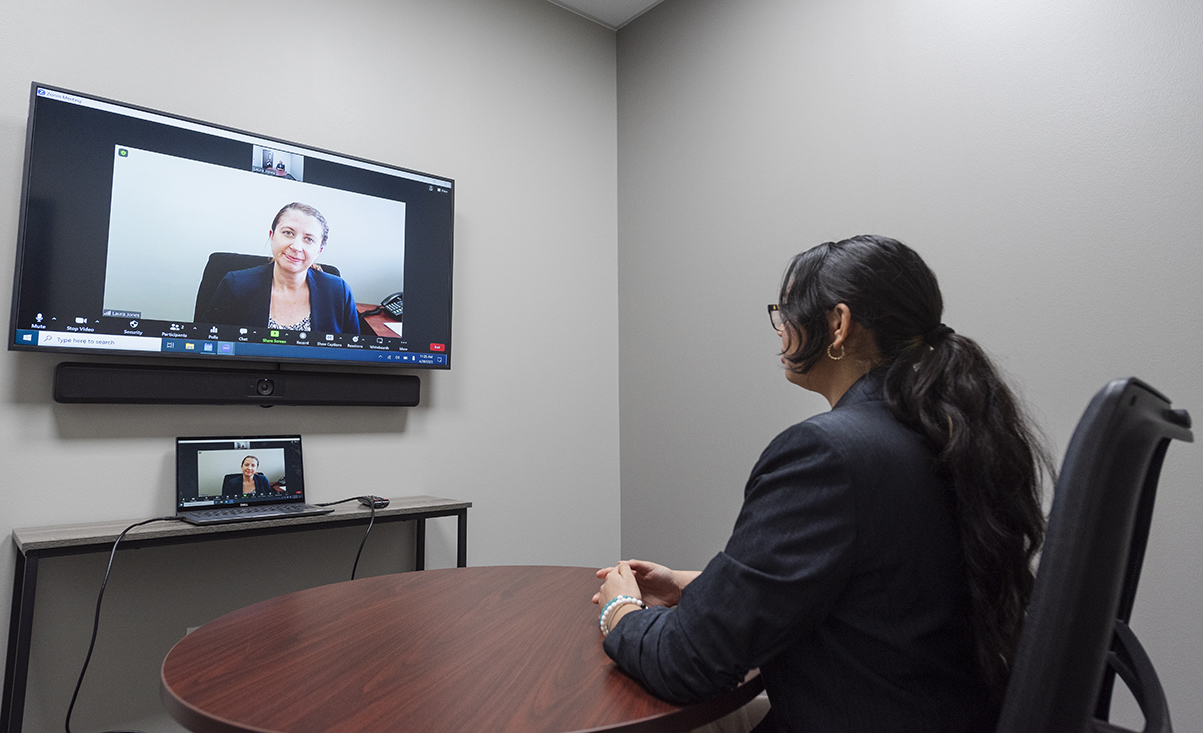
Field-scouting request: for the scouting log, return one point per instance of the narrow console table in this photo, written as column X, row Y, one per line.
column 34, row 543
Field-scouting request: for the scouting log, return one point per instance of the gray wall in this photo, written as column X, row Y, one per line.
column 515, row 99
column 1044, row 157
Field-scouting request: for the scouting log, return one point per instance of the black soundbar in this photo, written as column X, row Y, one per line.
column 157, row 385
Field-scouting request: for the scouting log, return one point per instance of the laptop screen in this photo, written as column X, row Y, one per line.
column 239, row 471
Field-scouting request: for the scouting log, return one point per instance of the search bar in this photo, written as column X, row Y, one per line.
column 63, row 340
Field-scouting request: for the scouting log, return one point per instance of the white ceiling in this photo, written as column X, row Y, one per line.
column 613, row 14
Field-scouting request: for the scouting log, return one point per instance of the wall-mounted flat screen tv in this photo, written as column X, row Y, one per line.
column 147, row 233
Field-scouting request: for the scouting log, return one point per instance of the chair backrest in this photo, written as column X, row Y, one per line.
column 222, row 263
column 1076, row 622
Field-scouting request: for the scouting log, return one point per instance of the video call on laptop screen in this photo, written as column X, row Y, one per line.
column 238, row 470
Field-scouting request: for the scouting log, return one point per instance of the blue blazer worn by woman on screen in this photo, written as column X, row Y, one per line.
column 243, row 298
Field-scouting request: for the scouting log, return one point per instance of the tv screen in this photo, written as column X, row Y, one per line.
column 147, row 233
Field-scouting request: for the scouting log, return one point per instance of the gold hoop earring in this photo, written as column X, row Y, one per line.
column 833, row 357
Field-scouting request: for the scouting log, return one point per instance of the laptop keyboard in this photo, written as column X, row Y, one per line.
column 256, row 512
column 239, row 510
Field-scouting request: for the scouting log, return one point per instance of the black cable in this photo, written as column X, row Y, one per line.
column 372, row 506
column 100, row 597
column 96, row 620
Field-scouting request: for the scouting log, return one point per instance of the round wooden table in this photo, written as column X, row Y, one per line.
column 463, row 649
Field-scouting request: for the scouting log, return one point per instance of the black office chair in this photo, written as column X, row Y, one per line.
column 1076, row 636
column 222, row 263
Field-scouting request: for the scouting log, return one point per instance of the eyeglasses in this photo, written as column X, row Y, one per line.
column 776, row 317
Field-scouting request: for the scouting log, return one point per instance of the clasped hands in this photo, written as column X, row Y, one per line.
column 655, row 585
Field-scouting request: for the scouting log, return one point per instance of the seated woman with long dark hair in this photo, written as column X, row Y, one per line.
column 881, row 563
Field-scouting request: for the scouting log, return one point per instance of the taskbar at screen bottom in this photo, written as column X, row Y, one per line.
column 202, row 348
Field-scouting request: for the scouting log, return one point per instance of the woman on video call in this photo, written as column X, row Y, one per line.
column 250, row 481
column 880, row 564
column 291, row 292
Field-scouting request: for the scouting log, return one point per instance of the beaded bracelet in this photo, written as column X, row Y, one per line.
column 604, row 620
column 601, row 620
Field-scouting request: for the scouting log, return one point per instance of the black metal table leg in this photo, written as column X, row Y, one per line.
column 20, row 632
column 461, row 532
column 420, row 545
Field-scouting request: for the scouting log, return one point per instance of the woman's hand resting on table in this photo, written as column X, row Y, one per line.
column 655, row 585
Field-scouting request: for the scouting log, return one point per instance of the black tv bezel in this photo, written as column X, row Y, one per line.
column 224, row 361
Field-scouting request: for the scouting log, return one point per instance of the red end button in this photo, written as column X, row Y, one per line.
column 438, row 347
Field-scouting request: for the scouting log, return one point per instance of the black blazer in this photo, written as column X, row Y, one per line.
column 842, row 581
column 243, row 298
column 232, row 484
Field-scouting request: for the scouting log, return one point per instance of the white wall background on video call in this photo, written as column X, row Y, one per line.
column 169, row 214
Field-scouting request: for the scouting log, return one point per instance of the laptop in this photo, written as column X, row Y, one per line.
column 240, row 479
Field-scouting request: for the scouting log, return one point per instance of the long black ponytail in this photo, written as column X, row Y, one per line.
column 944, row 386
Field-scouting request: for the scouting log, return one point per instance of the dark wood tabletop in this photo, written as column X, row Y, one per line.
column 463, row 649
column 377, row 321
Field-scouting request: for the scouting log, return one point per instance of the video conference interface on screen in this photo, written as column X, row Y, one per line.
column 134, row 219
column 218, row 471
